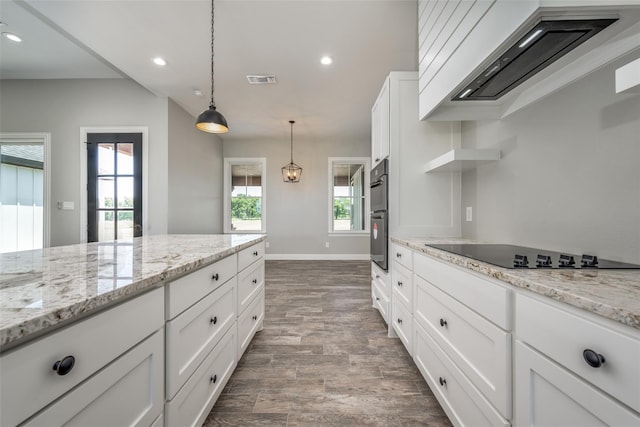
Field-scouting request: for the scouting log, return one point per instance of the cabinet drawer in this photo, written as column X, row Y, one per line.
column 402, row 323
column 380, row 301
column 563, row 336
column 402, row 283
column 250, row 255
column 192, row 335
column 28, row 381
column 462, row 402
column 488, row 298
column 129, row 392
column 383, row 277
column 250, row 283
column 479, row 348
column 183, row 292
column 249, row 322
column 402, row 255
column 193, row 403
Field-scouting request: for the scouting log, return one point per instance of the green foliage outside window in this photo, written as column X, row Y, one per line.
column 245, row 207
column 341, row 208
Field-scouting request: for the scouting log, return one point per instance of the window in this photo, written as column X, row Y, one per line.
column 244, row 195
column 348, row 204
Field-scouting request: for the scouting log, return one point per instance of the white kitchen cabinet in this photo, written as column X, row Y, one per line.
column 380, row 126
column 381, row 292
column 251, row 288
column 249, row 322
column 554, row 383
column 128, row 392
column 29, row 381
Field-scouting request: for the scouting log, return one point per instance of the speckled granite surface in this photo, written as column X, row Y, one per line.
column 614, row 294
column 40, row 289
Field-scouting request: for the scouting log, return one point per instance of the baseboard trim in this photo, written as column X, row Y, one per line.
column 318, row 257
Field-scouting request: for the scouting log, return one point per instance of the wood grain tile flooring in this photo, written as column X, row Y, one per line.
column 324, row 358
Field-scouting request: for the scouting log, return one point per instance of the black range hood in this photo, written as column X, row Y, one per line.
column 545, row 43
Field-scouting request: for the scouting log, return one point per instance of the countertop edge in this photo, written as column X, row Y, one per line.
column 519, row 280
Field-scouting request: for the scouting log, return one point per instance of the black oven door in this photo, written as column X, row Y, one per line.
column 379, row 239
column 379, row 194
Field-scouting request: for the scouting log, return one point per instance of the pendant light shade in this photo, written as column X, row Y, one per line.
column 291, row 172
column 211, row 120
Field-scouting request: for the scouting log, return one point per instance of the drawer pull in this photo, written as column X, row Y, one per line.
column 592, row 358
column 399, row 321
column 442, row 381
column 64, row 366
column 398, row 255
column 443, row 322
column 213, row 379
column 254, row 281
column 399, row 283
column 255, row 253
column 254, row 317
column 213, row 320
column 215, row 277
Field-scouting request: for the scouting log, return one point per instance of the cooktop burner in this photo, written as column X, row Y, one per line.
column 510, row 256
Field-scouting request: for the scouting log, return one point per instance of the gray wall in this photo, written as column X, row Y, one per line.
column 297, row 214
column 195, row 176
column 569, row 178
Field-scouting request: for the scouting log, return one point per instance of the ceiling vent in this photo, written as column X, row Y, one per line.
column 262, row 80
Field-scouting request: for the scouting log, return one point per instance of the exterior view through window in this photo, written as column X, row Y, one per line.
column 348, row 201
column 246, row 206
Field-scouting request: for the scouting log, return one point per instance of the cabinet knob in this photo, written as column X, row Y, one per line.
column 398, row 255
column 255, row 253
column 377, row 299
column 399, row 283
column 254, row 281
column 442, row 381
column 213, row 320
column 215, row 277
column 593, row 359
column 64, row 366
column 254, row 317
column 443, row 322
column 213, row 379
column 399, row 321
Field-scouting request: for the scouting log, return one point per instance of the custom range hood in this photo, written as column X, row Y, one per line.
column 539, row 47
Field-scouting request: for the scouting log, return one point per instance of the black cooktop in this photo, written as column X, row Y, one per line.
column 510, row 256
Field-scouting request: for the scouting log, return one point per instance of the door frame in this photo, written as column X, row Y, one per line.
column 83, row 172
column 45, row 139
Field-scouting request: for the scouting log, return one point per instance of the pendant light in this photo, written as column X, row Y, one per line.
column 291, row 172
column 211, row 120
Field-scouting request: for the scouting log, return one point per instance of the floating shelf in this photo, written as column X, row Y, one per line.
column 628, row 78
column 462, row 159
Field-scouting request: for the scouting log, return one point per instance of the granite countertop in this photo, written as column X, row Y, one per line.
column 613, row 294
column 44, row 288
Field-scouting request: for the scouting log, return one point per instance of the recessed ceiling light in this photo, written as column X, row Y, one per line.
column 12, row 37
column 326, row 60
column 159, row 61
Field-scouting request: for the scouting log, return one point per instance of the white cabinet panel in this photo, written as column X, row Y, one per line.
column 548, row 395
column 29, row 382
column 250, row 283
column 402, row 255
column 193, row 402
column 129, row 392
column 250, row 255
column 380, row 126
column 402, row 282
column 380, row 300
column 249, row 322
column 402, row 322
column 192, row 335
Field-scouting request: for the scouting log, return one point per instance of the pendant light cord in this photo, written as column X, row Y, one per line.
column 213, row 104
column 292, row 122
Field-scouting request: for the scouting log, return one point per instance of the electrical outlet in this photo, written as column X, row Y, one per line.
column 469, row 214
column 266, row 244
column 326, row 244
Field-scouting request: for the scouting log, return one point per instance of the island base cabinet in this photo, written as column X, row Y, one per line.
column 549, row 395
column 129, row 392
column 195, row 399
column 461, row 401
column 249, row 323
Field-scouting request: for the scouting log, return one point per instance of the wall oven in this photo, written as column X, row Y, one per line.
column 379, row 188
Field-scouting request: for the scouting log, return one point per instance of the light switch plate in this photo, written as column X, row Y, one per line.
column 469, row 214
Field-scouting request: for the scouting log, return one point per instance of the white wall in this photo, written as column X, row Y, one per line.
column 569, row 178
column 195, row 176
column 297, row 214
column 62, row 107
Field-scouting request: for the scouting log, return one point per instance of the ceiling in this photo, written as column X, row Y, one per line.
column 118, row 39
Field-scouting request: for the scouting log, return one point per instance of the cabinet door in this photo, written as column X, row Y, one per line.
column 380, row 126
column 548, row 395
column 129, row 392
column 250, row 322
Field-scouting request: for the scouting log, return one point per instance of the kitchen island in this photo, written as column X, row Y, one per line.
column 83, row 325
column 519, row 347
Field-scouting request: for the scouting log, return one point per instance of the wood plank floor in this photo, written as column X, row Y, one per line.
column 324, row 358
